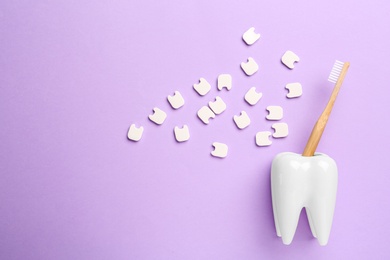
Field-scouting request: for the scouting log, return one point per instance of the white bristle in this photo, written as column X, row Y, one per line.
column 336, row 70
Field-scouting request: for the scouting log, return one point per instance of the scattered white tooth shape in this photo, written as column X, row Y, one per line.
column 303, row 181
column 218, row 106
column 203, row 87
column 250, row 37
column 225, row 81
column 275, row 113
column 176, row 101
column 252, row 97
column 205, row 113
column 294, row 90
column 220, row 150
column 262, row 138
column 182, row 134
column 158, row 117
column 135, row 134
column 249, row 67
column 281, row 130
column 242, row 120
column 289, row 58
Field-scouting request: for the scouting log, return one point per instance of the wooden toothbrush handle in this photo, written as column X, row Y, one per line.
column 320, row 125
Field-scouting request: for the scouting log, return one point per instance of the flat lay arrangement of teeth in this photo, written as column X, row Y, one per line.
column 216, row 106
column 308, row 180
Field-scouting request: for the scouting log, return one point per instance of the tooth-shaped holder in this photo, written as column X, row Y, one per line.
column 308, row 180
column 299, row 182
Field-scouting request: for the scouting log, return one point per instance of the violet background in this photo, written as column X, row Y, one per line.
column 75, row 74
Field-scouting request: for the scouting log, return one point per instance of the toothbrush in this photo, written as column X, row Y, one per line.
column 336, row 76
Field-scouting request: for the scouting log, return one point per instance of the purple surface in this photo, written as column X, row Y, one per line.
column 74, row 76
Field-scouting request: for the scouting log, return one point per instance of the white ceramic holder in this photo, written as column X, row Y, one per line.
column 299, row 182
column 307, row 180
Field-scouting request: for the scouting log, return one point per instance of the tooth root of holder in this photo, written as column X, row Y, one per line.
column 303, row 182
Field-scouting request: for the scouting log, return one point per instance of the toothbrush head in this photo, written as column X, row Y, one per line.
column 337, row 70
